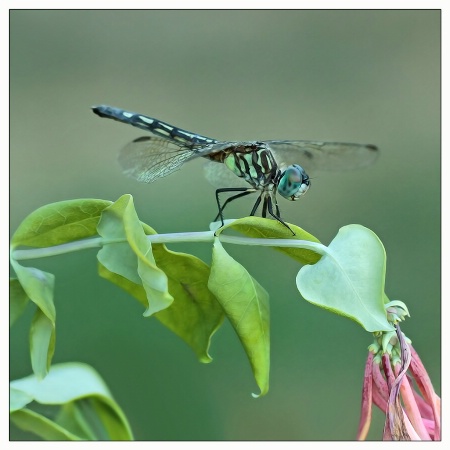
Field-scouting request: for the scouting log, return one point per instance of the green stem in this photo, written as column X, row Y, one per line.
column 267, row 242
column 57, row 249
column 200, row 236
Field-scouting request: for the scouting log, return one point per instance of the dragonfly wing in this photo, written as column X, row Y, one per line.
column 316, row 155
column 220, row 176
column 149, row 158
column 218, row 173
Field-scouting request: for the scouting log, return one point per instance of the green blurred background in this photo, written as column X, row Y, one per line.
column 357, row 76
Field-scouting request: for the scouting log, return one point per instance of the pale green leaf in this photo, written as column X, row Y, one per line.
column 38, row 286
column 49, row 225
column 120, row 222
column 195, row 314
column 246, row 304
column 88, row 409
column 349, row 279
column 18, row 300
column 42, row 343
column 60, row 222
column 65, row 382
column 258, row 227
column 18, row 399
column 120, row 259
column 43, row 427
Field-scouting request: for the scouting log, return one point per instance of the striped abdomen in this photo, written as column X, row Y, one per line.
column 155, row 126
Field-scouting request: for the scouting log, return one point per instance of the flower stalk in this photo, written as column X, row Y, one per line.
column 393, row 370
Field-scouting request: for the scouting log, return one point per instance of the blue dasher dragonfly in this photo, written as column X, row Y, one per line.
column 242, row 168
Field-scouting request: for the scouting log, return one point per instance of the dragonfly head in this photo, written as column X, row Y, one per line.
column 294, row 182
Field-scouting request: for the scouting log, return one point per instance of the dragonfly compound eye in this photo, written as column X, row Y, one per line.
column 294, row 182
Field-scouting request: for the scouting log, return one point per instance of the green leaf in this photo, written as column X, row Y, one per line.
column 132, row 259
column 38, row 287
column 36, row 423
column 246, row 304
column 134, row 289
column 42, row 343
column 18, row 300
column 88, row 411
column 349, row 279
column 18, row 399
column 49, row 225
column 60, row 222
column 258, row 227
column 195, row 314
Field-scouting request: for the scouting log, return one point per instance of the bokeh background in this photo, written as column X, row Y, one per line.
column 343, row 75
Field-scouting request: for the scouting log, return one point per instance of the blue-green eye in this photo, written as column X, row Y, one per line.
column 294, row 182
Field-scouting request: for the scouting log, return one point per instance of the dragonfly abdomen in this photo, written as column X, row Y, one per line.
column 155, row 126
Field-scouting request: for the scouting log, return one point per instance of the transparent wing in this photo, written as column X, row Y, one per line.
column 220, row 176
column 149, row 158
column 315, row 155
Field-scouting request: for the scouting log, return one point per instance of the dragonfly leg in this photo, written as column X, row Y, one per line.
column 243, row 192
column 255, row 206
column 264, row 208
column 276, row 216
column 277, row 210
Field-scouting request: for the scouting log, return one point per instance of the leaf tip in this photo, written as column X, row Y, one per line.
column 206, row 359
column 262, row 393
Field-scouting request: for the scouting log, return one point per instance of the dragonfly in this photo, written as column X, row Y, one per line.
column 240, row 168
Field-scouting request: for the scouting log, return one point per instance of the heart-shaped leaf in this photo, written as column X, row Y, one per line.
column 349, row 279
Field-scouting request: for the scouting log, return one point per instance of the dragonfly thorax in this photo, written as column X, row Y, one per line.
column 256, row 166
column 294, row 182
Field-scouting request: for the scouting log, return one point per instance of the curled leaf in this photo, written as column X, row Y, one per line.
column 246, row 304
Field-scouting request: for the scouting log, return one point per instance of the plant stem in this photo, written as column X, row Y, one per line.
column 268, row 242
column 200, row 236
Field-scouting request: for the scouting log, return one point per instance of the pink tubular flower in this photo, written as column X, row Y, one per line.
column 396, row 381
